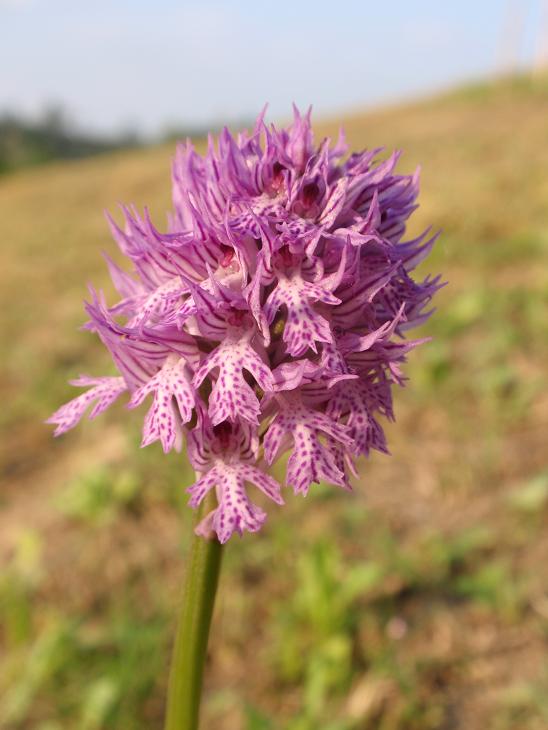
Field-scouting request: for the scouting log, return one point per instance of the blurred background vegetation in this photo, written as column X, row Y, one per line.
column 420, row 602
column 26, row 142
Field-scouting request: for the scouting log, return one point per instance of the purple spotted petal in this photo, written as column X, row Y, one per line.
column 231, row 397
column 103, row 393
column 235, row 512
column 174, row 399
column 312, row 435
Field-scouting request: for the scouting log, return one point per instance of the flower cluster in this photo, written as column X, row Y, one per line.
column 270, row 317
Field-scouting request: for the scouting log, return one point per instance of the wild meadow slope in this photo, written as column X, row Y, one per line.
column 417, row 603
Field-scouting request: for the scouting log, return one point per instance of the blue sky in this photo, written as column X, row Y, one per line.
column 120, row 64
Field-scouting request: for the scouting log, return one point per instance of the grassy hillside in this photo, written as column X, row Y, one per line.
column 420, row 602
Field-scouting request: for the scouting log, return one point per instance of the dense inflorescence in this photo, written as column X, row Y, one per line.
column 270, row 317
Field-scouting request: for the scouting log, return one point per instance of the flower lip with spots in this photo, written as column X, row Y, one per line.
column 269, row 317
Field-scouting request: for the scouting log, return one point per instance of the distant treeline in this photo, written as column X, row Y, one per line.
column 24, row 142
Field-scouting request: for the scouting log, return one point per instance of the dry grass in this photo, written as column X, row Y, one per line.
column 450, row 630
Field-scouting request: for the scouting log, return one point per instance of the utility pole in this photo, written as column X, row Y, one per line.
column 508, row 61
column 540, row 64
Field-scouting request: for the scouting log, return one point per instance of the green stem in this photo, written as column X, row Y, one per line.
column 189, row 652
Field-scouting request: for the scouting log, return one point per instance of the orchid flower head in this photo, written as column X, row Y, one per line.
column 269, row 317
